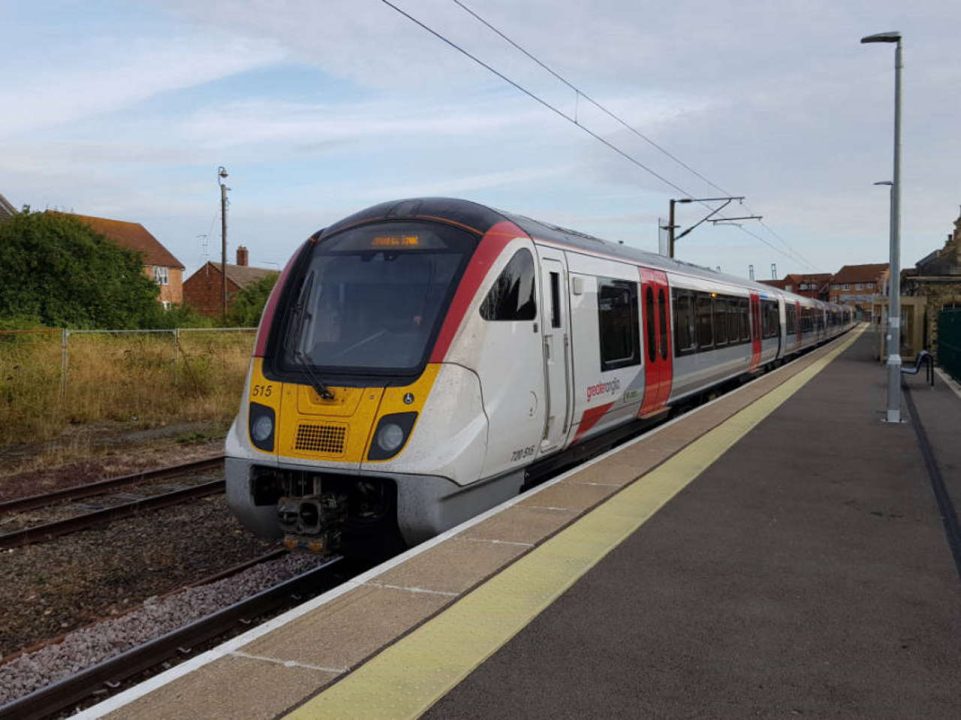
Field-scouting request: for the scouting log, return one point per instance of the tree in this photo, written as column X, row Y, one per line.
column 248, row 304
column 60, row 271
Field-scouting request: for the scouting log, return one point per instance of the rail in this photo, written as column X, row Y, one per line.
column 101, row 487
column 60, row 696
column 47, row 531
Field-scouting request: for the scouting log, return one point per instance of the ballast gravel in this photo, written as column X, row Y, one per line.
column 158, row 615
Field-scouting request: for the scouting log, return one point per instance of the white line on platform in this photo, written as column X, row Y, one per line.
column 949, row 381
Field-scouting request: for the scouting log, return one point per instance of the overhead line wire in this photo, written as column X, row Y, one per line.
column 591, row 100
column 561, row 113
column 580, row 93
column 534, row 97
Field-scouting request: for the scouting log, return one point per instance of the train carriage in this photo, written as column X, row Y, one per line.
column 418, row 361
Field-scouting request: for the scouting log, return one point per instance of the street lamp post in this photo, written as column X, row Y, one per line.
column 894, row 300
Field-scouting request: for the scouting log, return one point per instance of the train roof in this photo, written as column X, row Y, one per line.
column 482, row 218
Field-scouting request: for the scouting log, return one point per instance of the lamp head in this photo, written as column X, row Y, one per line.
column 885, row 37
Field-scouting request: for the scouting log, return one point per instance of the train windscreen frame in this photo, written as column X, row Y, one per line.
column 370, row 301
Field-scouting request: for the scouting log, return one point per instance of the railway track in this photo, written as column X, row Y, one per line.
column 83, row 520
column 65, row 694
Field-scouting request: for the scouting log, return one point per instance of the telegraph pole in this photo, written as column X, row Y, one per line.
column 221, row 176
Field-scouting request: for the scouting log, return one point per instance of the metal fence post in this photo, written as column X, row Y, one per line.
column 64, row 361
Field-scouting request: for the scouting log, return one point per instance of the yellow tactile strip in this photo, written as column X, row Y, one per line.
column 404, row 680
column 340, row 636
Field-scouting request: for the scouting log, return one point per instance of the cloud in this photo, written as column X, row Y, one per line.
column 107, row 76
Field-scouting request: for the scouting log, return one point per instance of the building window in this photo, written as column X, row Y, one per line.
column 859, row 286
column 512, row 296
column 166, row 304
column 617, row 324
column 160, row 275
column 846, row 286
column 790, row 288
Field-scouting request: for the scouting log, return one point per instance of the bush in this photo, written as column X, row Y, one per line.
column 59, row 271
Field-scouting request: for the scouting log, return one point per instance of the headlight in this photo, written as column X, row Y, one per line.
column 391, row 435
column 261, row 427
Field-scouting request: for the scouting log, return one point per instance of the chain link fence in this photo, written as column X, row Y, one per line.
column 51, row 379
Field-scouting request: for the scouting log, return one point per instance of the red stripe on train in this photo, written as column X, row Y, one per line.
column 267, row 318
column 590, row 418
column 490, row 246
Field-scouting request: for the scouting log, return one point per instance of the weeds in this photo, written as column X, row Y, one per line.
column 144, row 379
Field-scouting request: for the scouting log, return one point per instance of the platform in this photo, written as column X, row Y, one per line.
column 777, row 553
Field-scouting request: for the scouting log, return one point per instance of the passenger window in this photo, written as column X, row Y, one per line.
column 649, row 323
column 720, row 322
column 733, row 329
column 617, row 324
column 683, row 322
column 555, row 300
column 512, row 296
column 662, row 318
column 744, row 319
column 705, row 323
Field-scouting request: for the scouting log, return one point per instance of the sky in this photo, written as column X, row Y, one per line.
column 320, row 109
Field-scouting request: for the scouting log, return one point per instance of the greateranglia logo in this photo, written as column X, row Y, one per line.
column 605, row 388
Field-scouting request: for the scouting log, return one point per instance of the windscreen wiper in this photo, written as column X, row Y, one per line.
column 319, row 387
column 300, row 312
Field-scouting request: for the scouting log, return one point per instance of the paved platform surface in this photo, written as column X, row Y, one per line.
column 778, row 553
column 805, row 574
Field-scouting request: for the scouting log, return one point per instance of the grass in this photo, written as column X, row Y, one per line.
column 140, row 379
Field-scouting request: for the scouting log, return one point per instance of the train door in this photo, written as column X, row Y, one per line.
column 755, row 330
column 555, row 331
column 658, row 358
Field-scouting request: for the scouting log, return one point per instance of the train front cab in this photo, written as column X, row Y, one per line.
column 351, row 410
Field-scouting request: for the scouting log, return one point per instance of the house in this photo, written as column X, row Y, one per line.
column 203, row 290
column 858, row 284
column 812, row 285
column 6, row 209
column 937, row 278
column 159, row 264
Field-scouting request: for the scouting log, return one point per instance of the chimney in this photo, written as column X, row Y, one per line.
column 242, row 256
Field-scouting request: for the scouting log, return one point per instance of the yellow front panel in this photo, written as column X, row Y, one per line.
column 334, row 430
column 337, row 430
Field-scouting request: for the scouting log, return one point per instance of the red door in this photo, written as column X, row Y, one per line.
column 658, row 358
column 755, row 331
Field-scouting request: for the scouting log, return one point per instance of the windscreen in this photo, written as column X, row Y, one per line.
column 372, row 299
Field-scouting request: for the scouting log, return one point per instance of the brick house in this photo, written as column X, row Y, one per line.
column 203, row 291
column 858, row 284
column 159, row 264
column 812, row 285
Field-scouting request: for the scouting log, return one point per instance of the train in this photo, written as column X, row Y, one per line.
column 423, row 360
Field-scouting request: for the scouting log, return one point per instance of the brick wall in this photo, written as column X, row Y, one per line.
column 202, row 291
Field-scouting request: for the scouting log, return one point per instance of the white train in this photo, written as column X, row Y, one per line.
column 419, row 361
